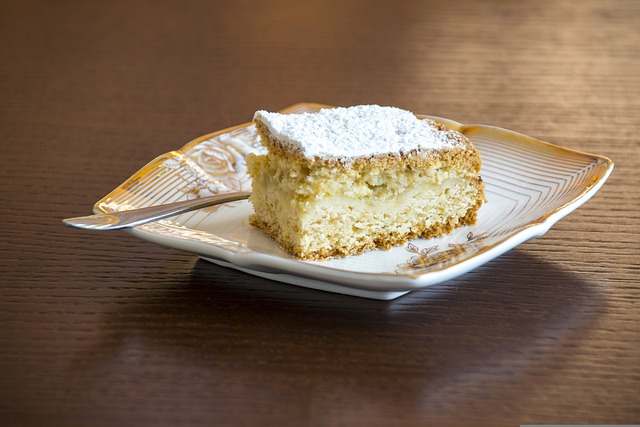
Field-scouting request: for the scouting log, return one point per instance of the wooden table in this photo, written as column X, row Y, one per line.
column 109, row 330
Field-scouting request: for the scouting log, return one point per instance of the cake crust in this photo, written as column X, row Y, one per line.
column 417, row 158
column 359, row 132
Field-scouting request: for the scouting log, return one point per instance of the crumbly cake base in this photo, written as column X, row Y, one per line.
column 376, row 242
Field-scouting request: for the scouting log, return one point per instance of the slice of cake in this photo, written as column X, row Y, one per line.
column 343, row 180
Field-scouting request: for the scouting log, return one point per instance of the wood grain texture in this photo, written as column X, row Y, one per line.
column 109, row 330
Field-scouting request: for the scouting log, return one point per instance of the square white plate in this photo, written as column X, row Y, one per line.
column 530, row 185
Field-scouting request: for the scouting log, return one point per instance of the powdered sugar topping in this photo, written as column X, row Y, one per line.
column 359, row 131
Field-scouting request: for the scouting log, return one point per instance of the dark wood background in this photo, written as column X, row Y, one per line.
column 109, row 330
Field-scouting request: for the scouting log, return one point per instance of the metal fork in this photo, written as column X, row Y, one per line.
column 134, row 217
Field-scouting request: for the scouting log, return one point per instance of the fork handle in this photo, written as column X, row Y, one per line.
column 135, row 217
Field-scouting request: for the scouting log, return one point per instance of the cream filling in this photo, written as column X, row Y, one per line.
column 340, row 221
